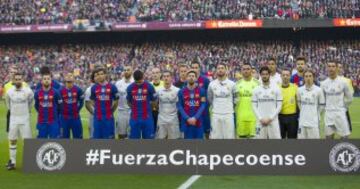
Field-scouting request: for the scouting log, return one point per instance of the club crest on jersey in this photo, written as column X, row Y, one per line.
column 145, row 91
column 197, row 95
column 107, row 90
column 51, row 97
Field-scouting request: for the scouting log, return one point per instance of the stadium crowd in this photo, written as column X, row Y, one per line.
column 81, row 58
column 66, row 11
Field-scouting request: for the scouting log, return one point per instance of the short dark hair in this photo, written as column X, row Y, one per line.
column 247, row 64
column 138, row 75
column 300, row 58
column 332, row 61
column 99, row 69
column 264, row 68
column 191, row 71
column 45, row 70
column 286, row 69
column 18, row 73
column 310, row 71
column 272, row 59
column 222, row 64
column 182, row 65
column 196, row 62
column 166, row 71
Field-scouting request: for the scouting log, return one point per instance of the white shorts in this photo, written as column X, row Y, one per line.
column 222, row 126
column 168, row 129
column 336, row 122
column 308, row 132
column 272, row 131
column 24, row 130
column 123, row 122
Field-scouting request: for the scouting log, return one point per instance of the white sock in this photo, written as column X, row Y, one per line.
column 12, row 149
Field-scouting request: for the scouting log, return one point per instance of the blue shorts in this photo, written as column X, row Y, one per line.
column 74, row 125
column 142, row 129
column 48, row 130
column 104, row 129
column 193, row 132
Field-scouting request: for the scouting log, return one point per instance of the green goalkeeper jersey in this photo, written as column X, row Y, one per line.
column 244, row 91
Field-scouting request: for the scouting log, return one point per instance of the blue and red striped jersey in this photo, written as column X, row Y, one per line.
column 140, row 96
column 190, row 104
column 298, row 80
column 48, row 104
column 203, row 82
column 103, row 97
column 73, row 101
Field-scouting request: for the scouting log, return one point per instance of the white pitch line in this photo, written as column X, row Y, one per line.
column 189, row 182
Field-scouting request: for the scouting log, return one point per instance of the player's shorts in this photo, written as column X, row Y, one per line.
column 168, row 129
column 47, row 130
column 336, row 122
column 308, row 133
column 193, row 132
column 71, row 125
column 104, row 129
column 15, row 129
column 140, row 128
column 222, row 126
column 123, row 122
column 245, row 128
column 272, row 131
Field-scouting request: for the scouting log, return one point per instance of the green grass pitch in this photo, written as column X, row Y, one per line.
column 18, row 179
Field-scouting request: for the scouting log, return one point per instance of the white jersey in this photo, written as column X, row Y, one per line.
column 311, row 102
column 122, row 85
column 221, row 95
column 88, row 93
column 337, row 94
column 91, row 116
column 19, row 103
column 167, row 103
column 274, row 79
column 267, row 102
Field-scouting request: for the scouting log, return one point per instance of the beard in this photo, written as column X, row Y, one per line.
column 220, row 74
